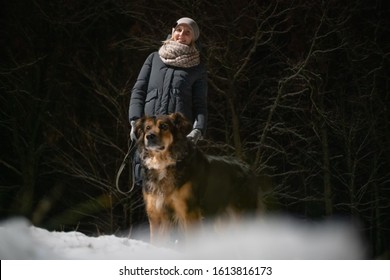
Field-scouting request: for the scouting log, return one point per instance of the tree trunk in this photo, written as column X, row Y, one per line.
column 326, row 171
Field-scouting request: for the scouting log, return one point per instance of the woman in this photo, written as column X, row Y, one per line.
column 173, row 80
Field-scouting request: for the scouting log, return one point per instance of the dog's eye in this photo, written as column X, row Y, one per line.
column 147, row 127
column 163, row 126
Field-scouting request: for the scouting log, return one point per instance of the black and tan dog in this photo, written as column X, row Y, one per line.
column 182, row 185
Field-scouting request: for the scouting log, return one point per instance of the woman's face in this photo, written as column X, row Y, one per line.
column 183, row 34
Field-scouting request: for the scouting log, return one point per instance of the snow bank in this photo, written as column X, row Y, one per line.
column 268, row 238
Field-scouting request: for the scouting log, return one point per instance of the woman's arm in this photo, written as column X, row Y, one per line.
column 199, row 101
column 139, row 91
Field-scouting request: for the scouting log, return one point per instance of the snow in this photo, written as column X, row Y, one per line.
column 277, row 238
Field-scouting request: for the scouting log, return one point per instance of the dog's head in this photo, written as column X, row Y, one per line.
column 157, row 134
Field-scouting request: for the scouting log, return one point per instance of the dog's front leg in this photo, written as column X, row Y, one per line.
column 188, row 214
column 159, row 229
column 190, row 221
column 159, row 222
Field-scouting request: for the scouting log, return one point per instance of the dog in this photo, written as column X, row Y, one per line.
column 182, row 186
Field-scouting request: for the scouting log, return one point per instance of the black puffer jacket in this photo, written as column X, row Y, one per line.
column 162, row 89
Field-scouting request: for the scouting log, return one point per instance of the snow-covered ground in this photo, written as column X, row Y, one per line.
column 267, row 238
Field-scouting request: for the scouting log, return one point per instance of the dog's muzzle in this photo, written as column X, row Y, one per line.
column 153, row 142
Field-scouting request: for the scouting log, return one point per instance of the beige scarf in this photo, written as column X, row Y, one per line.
column 179, row 55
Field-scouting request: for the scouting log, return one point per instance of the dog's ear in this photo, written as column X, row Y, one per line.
column 139, row 128
column 181, row 123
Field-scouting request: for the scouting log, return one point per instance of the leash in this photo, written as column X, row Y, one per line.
column 132, row 146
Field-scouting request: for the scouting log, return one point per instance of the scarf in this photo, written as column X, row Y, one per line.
column 179, row 55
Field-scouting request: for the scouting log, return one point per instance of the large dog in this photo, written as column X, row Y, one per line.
column 182, row 185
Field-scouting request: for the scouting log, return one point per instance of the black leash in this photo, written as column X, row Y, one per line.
column 132, row 145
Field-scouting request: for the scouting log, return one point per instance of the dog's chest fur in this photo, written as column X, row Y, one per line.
column 160, row 181
column 158, row 161
column 166, row 188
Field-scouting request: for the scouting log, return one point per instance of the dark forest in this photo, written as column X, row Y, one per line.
column 300, row 90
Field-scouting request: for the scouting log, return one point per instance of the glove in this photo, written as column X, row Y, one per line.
column 194, row 135
column 133, row 137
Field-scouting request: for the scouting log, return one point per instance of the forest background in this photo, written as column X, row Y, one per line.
column 297, row 89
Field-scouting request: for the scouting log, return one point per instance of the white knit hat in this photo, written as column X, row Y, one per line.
column 192, row 24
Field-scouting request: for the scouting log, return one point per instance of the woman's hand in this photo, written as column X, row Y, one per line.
column 195, row 135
